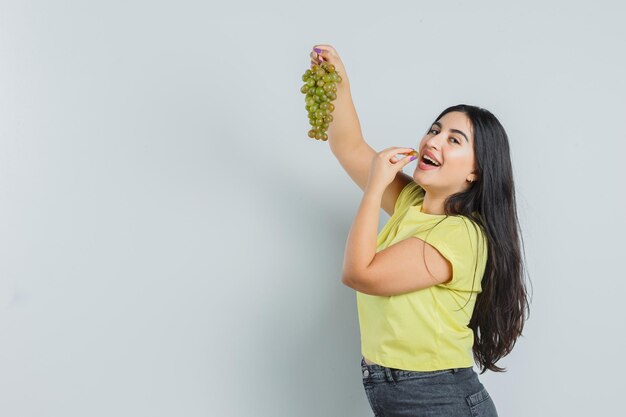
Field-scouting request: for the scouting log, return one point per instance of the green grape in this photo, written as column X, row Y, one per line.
column 320, row 88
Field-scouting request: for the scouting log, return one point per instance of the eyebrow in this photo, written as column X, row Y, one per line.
column 453, row 130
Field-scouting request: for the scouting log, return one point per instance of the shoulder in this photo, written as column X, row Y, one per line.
column 463, row 242
column 473, row 230
column 457, row 236
column 412, row 193
column 459, row 225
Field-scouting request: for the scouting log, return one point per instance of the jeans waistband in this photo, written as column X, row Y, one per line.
column 379, row 372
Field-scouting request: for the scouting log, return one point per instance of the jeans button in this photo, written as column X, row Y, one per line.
column 366, row 373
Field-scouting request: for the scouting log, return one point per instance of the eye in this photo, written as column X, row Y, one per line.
column 455, row 139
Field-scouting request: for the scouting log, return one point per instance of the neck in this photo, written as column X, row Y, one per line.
column 433, row 204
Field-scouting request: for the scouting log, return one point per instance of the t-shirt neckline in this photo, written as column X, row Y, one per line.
column 418, row 208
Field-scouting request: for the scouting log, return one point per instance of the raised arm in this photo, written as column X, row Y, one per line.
column 345, row 137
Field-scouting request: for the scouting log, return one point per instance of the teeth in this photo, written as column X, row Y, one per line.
column 431, row 160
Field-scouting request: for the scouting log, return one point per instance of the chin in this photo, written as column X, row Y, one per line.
column 418, row 181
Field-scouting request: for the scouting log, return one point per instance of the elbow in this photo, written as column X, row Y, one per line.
column 356, row 283
column 352, row 279
column 346, row 280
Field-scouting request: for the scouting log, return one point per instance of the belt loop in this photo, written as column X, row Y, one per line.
column 455, row 370
column 389, row 374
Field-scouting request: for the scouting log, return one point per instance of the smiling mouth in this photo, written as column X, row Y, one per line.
column 428, row 162
column 425, row 165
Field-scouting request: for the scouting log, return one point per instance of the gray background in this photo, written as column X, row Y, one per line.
column 171, row 239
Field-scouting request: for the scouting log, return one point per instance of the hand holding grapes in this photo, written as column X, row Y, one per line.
column 321, row 89
column 326, row 53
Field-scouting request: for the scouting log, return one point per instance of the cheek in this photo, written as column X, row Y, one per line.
column 459, row 161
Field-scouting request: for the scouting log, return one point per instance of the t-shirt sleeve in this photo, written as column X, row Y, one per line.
column 411, row 194
column 462, row 243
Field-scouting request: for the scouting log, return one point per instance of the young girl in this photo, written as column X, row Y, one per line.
column 442, row 284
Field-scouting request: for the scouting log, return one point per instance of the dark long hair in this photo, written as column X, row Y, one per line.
column 499, row 313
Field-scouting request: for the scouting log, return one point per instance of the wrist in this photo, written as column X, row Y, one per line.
column 375, row 189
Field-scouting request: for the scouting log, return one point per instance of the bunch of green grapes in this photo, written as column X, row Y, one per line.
column 320, row 89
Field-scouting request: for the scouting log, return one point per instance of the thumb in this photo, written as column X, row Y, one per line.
column 411, row 157
column 324, row 54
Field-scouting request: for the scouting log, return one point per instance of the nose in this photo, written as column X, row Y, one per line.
column 433, row 141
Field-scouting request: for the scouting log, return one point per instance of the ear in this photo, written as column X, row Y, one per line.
column 472, row 177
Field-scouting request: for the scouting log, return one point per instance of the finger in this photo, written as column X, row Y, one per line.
column 410, row 158
column 321, row 53
column 406, row 159
column 314, row 59
column 326, row 48
column 395, row 154
column 396, row 149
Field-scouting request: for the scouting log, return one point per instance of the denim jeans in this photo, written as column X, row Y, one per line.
column 453, row 392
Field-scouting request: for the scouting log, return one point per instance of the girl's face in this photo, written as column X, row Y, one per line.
column 451, row 142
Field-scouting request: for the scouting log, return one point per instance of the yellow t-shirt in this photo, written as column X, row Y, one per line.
column 421, row 330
